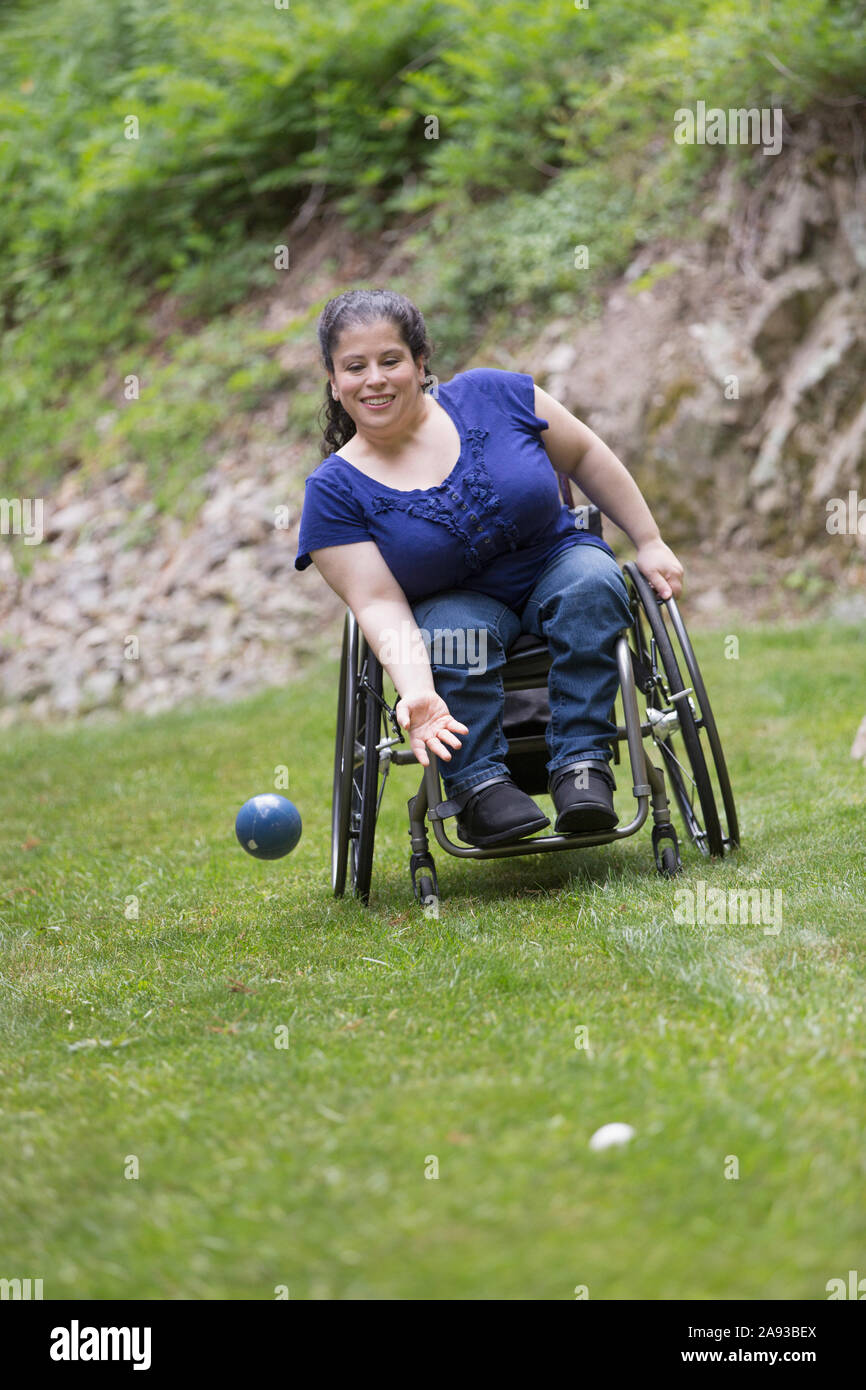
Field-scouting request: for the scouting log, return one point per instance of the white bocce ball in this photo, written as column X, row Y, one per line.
column 609, row 1135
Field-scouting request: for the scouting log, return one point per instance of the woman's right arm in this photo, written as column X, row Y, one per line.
column 359, row 574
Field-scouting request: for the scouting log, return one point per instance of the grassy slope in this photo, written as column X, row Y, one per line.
column 304, row 1166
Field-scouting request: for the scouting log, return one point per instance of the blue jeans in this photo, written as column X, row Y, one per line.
column 580, row 605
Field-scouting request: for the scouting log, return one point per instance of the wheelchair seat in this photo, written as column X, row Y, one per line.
column 526, row 711
column 527, row 660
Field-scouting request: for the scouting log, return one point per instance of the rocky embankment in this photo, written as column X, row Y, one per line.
column 214, row 611
column 727, row 373
column 731, row 374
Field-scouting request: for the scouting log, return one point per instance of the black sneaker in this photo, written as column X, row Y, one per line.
column 583, row 803
column 499, row 811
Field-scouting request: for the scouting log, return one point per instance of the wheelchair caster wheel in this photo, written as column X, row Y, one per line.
column 428, row 897
column 667, row 855
column 670, row 865
column 425, row 885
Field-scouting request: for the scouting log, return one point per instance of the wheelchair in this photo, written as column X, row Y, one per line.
column 654, row 657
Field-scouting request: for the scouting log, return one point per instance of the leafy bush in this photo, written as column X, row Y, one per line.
column 554, row 128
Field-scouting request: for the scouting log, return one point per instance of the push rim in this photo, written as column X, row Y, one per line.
column 365, row 769
column 341, row 800
column 685, row 751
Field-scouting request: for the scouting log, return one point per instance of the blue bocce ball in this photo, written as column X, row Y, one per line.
column 268, row 826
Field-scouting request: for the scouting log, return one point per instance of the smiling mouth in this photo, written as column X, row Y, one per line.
column 377, row 402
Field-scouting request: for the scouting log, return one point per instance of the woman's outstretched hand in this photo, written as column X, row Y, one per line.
column 658, row 563
column 427, row 720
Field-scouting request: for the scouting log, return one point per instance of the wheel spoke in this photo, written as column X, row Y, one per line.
column 685, row 771
column 686, row 803
column 382, row 788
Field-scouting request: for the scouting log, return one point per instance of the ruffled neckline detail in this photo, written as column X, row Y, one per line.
column 428, row 505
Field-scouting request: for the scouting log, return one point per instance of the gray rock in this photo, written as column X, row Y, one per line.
column 65, row 520
column 99, row 686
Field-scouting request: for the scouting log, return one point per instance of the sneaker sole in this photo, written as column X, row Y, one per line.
column 517, row 832
column 585, row 818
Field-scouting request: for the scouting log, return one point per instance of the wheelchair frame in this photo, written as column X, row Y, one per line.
column 648, row 662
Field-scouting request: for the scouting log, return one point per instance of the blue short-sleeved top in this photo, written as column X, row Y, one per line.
column 491, row 526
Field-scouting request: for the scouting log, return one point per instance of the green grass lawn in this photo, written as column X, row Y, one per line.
column 154, row 1037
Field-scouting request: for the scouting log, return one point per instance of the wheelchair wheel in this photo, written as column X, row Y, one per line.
column 356, row 765
column 691, row 751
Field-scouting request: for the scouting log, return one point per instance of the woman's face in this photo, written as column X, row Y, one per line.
column 375, row 378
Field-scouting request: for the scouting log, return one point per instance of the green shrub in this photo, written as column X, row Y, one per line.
column 555, row 128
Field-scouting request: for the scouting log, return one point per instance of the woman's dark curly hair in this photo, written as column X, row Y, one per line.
column 363, row 306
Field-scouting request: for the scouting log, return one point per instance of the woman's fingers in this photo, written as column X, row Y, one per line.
column 660, row 584
column 436, row 739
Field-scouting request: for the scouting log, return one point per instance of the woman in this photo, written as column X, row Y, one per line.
column 442, row 512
